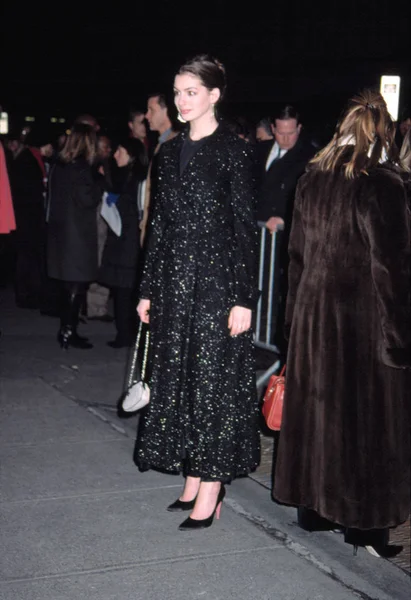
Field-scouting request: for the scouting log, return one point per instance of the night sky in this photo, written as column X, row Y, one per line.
column 103, row 60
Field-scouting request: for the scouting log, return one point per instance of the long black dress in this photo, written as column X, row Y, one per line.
column 201, row 261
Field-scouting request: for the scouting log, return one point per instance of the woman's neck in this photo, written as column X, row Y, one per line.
column 205, row 125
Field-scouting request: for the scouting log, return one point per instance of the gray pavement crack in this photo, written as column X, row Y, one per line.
column 90, row 406
column 143, row 563
column 94, row 494
column 294, row 547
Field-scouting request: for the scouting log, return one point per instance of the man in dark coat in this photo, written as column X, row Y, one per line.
column 280, row 164
column 159, row 118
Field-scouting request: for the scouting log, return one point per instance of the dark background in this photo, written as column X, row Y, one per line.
column 65, row 60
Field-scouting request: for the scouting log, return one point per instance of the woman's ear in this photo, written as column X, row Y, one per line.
column 215, row 95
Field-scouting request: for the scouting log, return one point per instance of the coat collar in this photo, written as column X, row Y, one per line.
column 202, row 156
column 294, row 154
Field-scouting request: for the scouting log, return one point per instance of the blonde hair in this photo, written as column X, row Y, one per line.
column 81, row 142
column 405, row 153
column 366, row 126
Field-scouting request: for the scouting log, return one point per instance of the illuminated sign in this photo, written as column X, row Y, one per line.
column 4, row 122
column 390, row 91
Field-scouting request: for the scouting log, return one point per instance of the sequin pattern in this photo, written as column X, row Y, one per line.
column 201, row 261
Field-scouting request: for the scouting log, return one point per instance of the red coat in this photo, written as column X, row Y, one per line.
column 7, row 220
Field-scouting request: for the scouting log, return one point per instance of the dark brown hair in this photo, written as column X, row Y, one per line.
column 366, row 126
column 285, row 113
column 81, row 143
column 209, row 71
column 161, row 99
column 405, row 154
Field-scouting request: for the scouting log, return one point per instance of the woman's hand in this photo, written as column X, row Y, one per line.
column 239, row 320
column 143, row 309
column 274, row 224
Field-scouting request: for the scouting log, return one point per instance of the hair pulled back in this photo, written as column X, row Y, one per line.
column 366, row 126
column 81, row 143
column 209, row 71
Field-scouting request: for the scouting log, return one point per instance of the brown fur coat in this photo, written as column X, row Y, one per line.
column 344, row 448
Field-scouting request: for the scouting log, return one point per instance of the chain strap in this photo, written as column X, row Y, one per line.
column 135, row 355
column 143, row 366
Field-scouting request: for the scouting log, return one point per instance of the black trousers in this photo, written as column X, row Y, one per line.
column 28, row 275
column 125, row 315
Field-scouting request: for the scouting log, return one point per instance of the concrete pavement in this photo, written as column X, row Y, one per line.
column 78, row 520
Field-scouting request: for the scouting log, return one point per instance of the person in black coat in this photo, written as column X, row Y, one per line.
column 119, row 268
column 26, row 182
column 280, row 164
column 72, row 227
column 198, row 291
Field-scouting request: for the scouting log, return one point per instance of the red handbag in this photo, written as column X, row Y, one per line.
column 273, row 401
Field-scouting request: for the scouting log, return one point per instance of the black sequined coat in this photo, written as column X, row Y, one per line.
column 201, row 261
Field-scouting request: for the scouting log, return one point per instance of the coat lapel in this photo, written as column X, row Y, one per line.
column 202, row 156
column 288, row 157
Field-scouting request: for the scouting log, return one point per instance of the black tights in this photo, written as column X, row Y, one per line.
column 73, row 297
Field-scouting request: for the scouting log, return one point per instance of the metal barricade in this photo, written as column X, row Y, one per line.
column 266, row 284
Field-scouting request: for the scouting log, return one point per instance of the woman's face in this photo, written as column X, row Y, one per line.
column 122, row 157
column 192, row 99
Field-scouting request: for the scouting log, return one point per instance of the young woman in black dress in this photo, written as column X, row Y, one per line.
column 198, row 291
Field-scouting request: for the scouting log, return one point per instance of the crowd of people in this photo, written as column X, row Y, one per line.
column 172, row 229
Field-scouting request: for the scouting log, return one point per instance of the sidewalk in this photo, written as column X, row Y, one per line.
column 78, row 520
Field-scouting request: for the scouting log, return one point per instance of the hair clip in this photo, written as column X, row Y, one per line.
column 368, row 105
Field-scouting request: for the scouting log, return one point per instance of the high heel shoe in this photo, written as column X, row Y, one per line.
column 180, row 505
column 67, row 337
column 63, row 337
column 190, row 524
column 375, row 541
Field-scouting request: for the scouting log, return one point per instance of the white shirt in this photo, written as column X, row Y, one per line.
column 273, row 155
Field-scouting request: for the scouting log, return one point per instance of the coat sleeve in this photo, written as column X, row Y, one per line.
column 155, row 228
column 386, row 222
column 88, row 192
column 243, row 201
column 296, row 256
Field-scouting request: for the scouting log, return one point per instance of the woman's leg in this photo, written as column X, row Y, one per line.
column 206, row 501
column 191, row 488
column 74, row 294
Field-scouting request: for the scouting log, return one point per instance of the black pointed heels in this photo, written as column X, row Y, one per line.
column 180, row 505
column 190, row 524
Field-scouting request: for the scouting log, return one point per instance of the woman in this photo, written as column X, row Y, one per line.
column 72, row 228
column 344, row 447
column 120, row 256
column 197, row 293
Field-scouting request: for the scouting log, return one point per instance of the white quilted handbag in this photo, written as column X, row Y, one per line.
column 138, row 391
